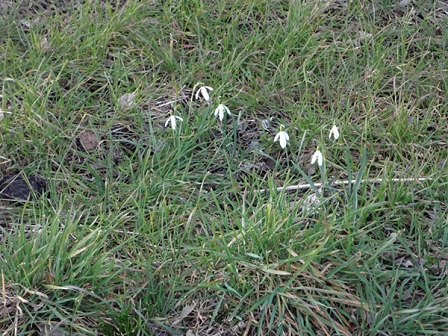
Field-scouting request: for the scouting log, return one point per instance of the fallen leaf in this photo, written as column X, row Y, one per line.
column 185, row 312
column 89, row 140
column 273, row 271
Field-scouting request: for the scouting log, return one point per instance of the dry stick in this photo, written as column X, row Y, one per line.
column 335, row 183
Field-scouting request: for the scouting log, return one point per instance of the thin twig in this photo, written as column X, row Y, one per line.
column 336, row 183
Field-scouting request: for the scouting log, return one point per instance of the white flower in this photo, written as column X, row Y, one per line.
column 317, row 156
column 172, row 120
column 334, row 132
column 282, row 137
column 203, row 91
column 219, row 111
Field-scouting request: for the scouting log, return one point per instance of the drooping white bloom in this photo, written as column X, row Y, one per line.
column 334, row 132
column 219, row 111
column 203, row 91
column 282, row 137
column 172, row 120
column 317, row 156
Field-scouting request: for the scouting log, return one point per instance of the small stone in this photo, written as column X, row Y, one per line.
column 44, row 44
column 89, row 140
column 127, row 100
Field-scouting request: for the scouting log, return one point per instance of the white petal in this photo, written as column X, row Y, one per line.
column 173, row 122
column 283, row 140
column 313, row 158
column 317, row 156
column 218, row 112
column 320, row 159
column 167, row 121
column 282, row 137
column 335, row 132
column 205, row 93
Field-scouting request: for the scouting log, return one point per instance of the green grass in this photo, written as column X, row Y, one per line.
column 154, row 231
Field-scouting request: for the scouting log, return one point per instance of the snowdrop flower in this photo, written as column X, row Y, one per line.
column 317, row 156
column 334, row 132
column 203, row 91
column 172, row 120
column 219, row 111
column 282, row 137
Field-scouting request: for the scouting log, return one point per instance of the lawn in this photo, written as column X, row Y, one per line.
column 242, row 167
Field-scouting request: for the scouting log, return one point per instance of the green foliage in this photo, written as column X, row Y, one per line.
column 155, row 231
